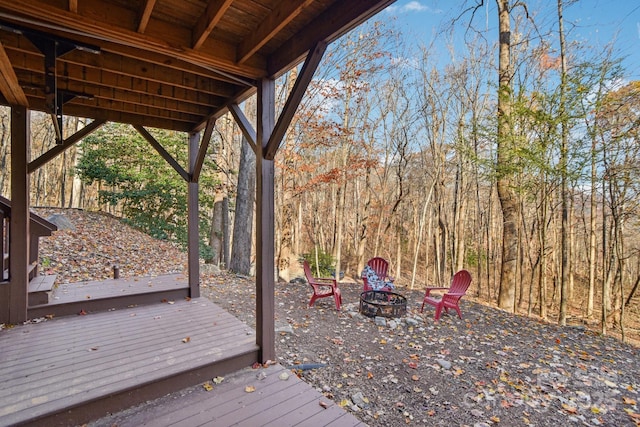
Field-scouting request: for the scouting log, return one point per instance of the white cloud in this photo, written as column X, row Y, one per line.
column 415, row 6
column 412, row 6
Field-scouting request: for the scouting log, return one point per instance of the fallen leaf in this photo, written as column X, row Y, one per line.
column 570, row 409
column 283, row 376
column 82, row 313
column 186, row 340
column 207, row 386
column 249, row 389
column 325, row 405
column 415, row 377
column 628, row 401
column 369, row 375
column 343, row 403
column 495, row 419
column 218, row 380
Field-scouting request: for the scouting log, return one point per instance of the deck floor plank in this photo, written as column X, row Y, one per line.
column 102, row 353
column 275, row 402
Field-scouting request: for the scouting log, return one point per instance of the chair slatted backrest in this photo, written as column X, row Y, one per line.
column 460, row 282
column 380, row 266
column 307, row 271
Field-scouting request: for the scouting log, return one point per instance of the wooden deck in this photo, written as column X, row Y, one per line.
column 72, row 369
column 276, row 402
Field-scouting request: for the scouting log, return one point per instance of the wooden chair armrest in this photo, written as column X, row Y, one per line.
column 429, row 289
column 324, row 281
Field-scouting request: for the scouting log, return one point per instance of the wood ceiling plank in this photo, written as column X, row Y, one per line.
column 274, row 22
column 80, row 65
column 341, row 17
column 120, row 106
column 17, row 42
column 224, row 59
column 145, row 14
column 209, row 19
column 73, row 6
column 114, row 93
column 9, row 85
column 117, row 116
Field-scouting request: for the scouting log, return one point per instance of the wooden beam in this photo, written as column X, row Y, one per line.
column 9, row 85
column 223, row 61
column 73, row 6
column 193, row 219
column 67, row 143
column 196, row 168
column 245, row 127
column 145, row 14
column 293, row 101
column 265, row 224
column 274, row 22
column 19, row 224
column 164, row 153
column 341, row 17
column 208, row 20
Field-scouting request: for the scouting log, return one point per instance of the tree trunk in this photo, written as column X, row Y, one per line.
column 564, row 242
column 215, row 235
column 506, row 193
column 240, row 261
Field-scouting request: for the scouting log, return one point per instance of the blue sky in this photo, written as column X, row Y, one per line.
column 596, row 22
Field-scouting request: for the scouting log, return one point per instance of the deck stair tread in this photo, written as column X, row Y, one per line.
column 40, row 288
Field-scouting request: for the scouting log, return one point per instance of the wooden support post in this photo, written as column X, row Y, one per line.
column 19, row 224
column 193, row 240
column 265, row 239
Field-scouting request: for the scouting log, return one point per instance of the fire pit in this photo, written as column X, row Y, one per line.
column 382, row 303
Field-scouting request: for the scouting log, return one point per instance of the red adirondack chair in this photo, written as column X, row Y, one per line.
column 381, row 268
column 322, row 287
column 459, row 285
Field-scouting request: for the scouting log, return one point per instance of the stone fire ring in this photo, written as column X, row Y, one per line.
column 382, row 303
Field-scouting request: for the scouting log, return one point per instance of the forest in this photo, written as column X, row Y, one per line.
column 516, row 158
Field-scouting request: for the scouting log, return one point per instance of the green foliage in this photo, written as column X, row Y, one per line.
column 325, row 262
column 473, row 257
column 133, row 177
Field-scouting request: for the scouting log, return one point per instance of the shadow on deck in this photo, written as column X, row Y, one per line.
column 70, row 370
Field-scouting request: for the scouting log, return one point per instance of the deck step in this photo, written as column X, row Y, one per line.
column 40, row 288
column 67, row 371
column 104, row 295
